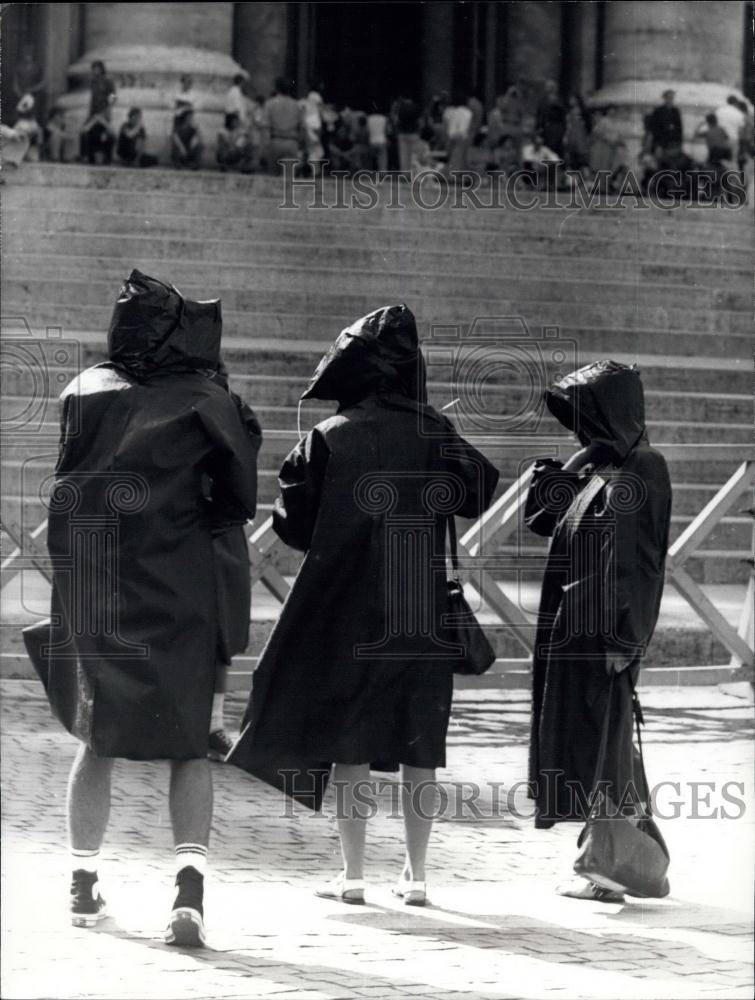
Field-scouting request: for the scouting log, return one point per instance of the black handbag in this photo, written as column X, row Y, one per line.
column 615, row 852
column 461, row 626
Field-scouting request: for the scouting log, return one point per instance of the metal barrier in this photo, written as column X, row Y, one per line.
column 495, row 526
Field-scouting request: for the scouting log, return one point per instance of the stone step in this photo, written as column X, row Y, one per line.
column 100, row 260
column 26, row 464
column 320, row 242
column 276, row 417
column 211, row 194
column 31, row 390
column 294, row 314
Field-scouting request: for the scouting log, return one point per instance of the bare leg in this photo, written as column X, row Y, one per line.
column 418, row 799
column 352, row 819
column 88, row 800
column 191, row 801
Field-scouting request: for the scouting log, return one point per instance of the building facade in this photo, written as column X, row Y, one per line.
column 366, row 54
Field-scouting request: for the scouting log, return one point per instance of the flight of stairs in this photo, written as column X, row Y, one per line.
column 669, row 289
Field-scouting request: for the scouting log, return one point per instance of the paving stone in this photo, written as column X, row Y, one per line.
column 495, row 928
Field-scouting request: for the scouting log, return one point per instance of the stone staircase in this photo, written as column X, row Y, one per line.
column 668, row 289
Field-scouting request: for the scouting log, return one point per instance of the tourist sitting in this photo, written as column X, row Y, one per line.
column 27, row 124
column 535, row 158
column 360, row 151
column 131, row 141
column 234, row 147
column 185, row 140
column 96, row 142
column 54, row 140
column 340, row 146
column 506, row 157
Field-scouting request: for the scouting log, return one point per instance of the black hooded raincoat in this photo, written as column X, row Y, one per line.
column 353, row 671
column 602, row 588
column 154, row 455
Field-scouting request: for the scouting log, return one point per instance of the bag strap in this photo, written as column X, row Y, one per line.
column 639, row 721
column 604, row 735
column 451, row 526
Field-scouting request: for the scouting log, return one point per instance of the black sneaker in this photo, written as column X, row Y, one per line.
column 219, row 745
column 87, row 905
column 186, row 925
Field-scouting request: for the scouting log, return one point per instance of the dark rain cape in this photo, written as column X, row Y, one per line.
column 353, row 671
column 146, row 437
column 602, row 587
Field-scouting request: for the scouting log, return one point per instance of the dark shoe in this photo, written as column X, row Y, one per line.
column 186, row 925
column 219, row 745
column 87, row 905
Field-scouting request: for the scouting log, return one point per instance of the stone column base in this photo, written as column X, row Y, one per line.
column 148, row 77
column 636, row 98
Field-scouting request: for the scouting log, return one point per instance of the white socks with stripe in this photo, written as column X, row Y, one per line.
column 84, row 860
column 191, row 854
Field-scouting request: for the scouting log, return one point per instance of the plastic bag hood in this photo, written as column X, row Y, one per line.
column 378, row 353
column 154, row 328
column 603, row 403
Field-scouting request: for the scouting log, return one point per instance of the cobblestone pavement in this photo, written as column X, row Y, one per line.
column 496, row 928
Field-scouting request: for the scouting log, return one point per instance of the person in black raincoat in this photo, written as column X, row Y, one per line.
column 129, row 657
column 354, row 670
column 607, row 511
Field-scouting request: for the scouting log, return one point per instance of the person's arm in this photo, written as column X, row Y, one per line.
column 475, row 476
column 300, row 479
column 551, row 492
column 232, row 463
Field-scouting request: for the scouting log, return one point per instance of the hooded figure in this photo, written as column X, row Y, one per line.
column 354, row 669
column 601, row 593
column 153, row 456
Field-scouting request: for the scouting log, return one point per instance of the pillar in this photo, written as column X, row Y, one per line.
column 580, row 72
column 693, row 47
column 146, row 47
column 437, row 48
column 533, row 47
column 260, row 43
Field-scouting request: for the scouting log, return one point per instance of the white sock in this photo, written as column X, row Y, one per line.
column 84, row 860
column 191, row 854
column 216, row 719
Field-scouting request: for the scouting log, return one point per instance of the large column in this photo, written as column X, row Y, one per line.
column 146, row 47
column 533, row 50
column 437, row 48
column 582, row 34
column 261, row 43
column 693, row 47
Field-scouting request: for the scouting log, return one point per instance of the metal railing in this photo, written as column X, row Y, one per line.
column 495, row 527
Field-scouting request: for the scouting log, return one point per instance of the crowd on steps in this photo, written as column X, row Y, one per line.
column 527, row 129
